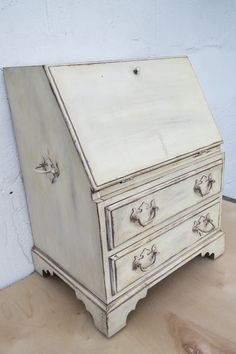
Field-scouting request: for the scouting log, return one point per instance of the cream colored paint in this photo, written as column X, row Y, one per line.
column 125, row 122
column 69, row 219
column 169, row 200
column 170, row 246
column 39, row 32
column 63, row 216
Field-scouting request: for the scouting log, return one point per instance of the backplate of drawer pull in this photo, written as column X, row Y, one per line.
column 146, row 258
column 145, row 213
column 203, row 185
column 49, row 168
column 203, row 225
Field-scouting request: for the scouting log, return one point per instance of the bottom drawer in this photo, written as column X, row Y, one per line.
column 130, row 265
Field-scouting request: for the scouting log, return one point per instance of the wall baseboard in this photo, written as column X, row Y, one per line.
column 229, row 199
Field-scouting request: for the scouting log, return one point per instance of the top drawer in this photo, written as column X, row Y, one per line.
column 132, row 216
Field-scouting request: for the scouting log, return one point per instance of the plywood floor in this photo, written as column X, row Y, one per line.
column 193, row 311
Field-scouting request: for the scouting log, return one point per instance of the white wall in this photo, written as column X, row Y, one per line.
column 57, row 31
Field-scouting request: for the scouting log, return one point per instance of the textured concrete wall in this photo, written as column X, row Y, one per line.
column 58, row 31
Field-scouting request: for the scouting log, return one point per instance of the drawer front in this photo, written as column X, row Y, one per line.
column 129, row 218
column 128, row 267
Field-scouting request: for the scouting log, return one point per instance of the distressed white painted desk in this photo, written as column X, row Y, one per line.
column 123, row 176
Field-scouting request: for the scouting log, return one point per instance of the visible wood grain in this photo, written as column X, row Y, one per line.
column 127, row 123
column 107, row 319
column 192, row 311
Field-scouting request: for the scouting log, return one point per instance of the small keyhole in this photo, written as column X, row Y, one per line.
column 136, row 71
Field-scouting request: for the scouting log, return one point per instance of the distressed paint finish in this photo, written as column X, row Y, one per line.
column 169, row 245
column 35, row 33
column 63, row 217
column 84, row 232
column 132, row 110
column 170, row 201
column 206, row 34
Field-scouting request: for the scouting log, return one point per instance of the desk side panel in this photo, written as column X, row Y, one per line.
column 63, row 217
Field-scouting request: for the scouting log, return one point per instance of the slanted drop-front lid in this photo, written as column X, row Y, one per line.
column 130, row 116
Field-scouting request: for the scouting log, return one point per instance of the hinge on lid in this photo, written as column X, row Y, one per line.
column 202, row 152
column 126, row 180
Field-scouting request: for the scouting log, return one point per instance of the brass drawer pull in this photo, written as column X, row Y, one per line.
column 144, row 214
column 203, row 225
column 204, row 185
column 146, row 259
column 50, row 168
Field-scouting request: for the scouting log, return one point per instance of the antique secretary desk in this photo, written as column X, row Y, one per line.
column 122, row 170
